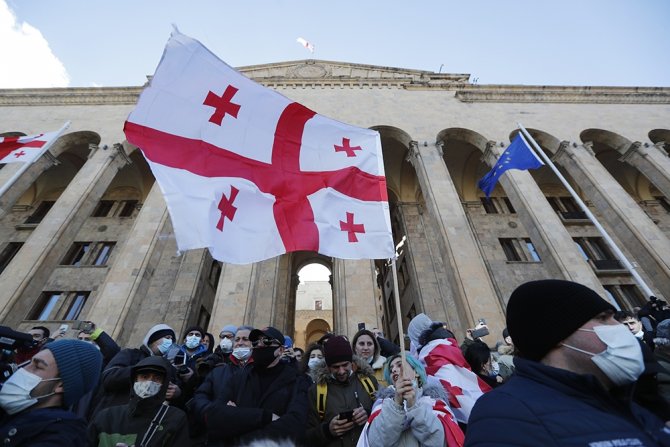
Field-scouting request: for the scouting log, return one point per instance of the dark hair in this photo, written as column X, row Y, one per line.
column 302, row 351
column 194, row 328
column 44, row 330
column 436, row 331
column 304, row 367
column 212, row 343
column 477, row 354
column 624, row 314
column 375, row 355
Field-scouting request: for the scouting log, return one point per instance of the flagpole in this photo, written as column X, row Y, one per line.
column 398, row 312
column 647, row 290
column 8, row 184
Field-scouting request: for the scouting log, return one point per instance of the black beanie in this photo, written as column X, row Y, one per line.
column 337, row 349
column 542, row 313
column 436, row 331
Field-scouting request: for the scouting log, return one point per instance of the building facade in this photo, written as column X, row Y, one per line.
column 85, row 233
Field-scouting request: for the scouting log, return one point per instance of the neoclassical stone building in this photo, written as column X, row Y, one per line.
column 85, row 233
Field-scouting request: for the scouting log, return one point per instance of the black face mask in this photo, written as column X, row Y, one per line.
column 264, row 356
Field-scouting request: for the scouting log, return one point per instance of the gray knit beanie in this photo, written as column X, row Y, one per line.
column 79, row 364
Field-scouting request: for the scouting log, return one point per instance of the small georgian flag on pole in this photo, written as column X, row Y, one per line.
column 23, row 149
column 305, row 44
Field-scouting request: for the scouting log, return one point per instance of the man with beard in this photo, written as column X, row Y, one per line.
column 266, row 401
column 36, row 397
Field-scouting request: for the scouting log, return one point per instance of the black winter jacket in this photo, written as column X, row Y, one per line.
column 285, row 397
column 545, row 406
column 44, row 427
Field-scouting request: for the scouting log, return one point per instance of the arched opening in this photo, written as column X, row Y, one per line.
column 313, row 303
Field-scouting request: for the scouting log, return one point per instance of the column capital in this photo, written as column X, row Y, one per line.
column 588, row 145
column 490, row 152
column 633, row 149
column 660, row 145
column 412, row 152
column 121, row 152
column 439, row 145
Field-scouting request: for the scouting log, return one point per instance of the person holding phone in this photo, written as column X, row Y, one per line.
column 411, row 411
column 341, row 399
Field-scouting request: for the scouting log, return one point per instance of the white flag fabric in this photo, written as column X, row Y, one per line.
column 305, row 44
column 249, row 173
column 23, row 149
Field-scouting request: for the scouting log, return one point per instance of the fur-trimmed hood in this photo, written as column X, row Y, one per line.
column 321, row 374
column 432, row 389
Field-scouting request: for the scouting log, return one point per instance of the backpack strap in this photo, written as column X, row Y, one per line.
column 368, row 386
column 321, row 394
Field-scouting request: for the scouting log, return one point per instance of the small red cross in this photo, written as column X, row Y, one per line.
column 346, row 148
column 222, row 105
column 19, row 154
column 226, row 207
column 352, row 228
column 10, row 144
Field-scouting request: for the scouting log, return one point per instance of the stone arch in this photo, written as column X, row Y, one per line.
column 304, row 315
column 462, row 151
column 315, row 329
column 400, row 175
column 661, row 137
column 608, row 148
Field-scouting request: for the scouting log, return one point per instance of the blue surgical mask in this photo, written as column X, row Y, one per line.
column 192, row 342
column 165, row 345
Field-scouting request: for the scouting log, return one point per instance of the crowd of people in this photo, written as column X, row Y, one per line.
column 569, row 370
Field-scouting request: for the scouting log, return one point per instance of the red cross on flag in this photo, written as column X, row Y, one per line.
column 251, row 174
column 23, row 149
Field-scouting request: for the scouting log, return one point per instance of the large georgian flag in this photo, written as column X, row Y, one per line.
column 249, row 173
column 23, row 149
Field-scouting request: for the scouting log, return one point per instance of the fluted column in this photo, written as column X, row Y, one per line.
column 653, row 162
column 470, row 284
column 622, row 216
column 23, row 279
column 557, row 248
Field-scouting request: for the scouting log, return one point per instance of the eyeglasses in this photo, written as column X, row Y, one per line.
column 266, row 342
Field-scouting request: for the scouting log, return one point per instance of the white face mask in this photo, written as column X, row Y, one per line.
column 15, row 393
column 315, row 362
column 146, row 389
column 242, row 353
column 226, row 344
column 193, row 341
column 165, row 345
column 622, row 361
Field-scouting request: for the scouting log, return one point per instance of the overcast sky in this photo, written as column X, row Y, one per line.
column 83, row 43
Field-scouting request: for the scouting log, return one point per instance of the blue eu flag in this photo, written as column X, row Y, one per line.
column 518, row 155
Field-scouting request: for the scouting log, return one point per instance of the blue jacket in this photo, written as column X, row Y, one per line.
column 44, row 427
column 546, row 406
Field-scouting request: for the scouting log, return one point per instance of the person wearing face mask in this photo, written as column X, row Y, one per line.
column 221, row 354
column 412, row 411
column 266, row 401
column 147, row 420
column 215, row 385
column 116, row 382
column 36, row 398
column 478, row 355
column 570, row 355
column 312, row 360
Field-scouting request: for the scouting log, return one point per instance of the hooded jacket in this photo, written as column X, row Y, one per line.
column 116, row 378
column 340, row 397
column 129, row 423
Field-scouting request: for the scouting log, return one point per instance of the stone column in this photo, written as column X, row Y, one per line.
column 621, row 215
column 652, row 162
column 554, row 243
column 129, row 276
column 25, row 180
column 354, row 295
column 472, row 289
column 231, row 303
column 23, row 279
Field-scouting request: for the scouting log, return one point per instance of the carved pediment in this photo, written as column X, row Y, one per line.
column 312, row 69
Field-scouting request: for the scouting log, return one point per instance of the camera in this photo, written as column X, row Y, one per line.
column 11, row 339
